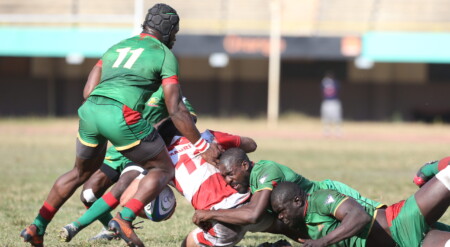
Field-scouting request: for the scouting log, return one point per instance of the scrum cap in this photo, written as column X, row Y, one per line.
column 162, row 18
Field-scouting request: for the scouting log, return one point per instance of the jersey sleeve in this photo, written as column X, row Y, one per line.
column 327, row 201
column 226, row 140
column 266, row 177
column 169, row 70
column 99, row 63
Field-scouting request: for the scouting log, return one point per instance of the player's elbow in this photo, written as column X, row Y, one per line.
column 252, row 147
column 362, row 219
column 248, row 144
column 253, row 218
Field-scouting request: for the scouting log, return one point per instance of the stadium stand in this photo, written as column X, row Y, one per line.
column 299, row 18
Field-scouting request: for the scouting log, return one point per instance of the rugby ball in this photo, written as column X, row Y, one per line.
column 162, row 207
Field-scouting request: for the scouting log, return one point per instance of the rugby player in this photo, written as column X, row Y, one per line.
column 260, row 178
column 198, row 181
column 114, row 163
column 131, row 71
column 331, row 218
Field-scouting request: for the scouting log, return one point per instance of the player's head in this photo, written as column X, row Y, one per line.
column 164, row 19
column 288, row 201
column 235, row 167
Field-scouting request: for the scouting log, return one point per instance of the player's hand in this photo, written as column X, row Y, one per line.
column 200, row 218
column 211, row 155
column 313, row 243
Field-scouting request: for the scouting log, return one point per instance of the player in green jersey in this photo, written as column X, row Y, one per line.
column 334, row 219
column 260, row 178
column 131, row 71
column 155, row 111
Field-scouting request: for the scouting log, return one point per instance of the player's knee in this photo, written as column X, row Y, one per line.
column 444, row 177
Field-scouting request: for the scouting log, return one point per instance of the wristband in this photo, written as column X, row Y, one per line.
column 201, row 145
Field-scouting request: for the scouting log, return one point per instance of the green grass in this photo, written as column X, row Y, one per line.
column 378, row 159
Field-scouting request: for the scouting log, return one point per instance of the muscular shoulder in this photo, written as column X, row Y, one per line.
column 325, row 201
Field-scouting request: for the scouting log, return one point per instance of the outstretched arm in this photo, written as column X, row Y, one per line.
column 353, row 218
column 247, row 214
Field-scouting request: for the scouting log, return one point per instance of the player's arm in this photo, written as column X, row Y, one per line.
column 93, row 79
column 227, row 141
column 249, row 213
column 247, row 144
column 353, row 218
column 184, row 123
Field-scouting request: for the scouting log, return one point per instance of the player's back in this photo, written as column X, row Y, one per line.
column 133, row 69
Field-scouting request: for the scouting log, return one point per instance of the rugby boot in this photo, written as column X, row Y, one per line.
column 104, row 234
column 124, row 230
column 30, row 235
column 68, row 232
column 424, row 173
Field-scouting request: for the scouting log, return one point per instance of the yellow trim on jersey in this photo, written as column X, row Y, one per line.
column 373, row 220
column 265, row 188
column 128, row 146
column 92, row 145
column 335, row 209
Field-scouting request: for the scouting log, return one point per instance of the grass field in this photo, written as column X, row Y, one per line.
column 378, row 159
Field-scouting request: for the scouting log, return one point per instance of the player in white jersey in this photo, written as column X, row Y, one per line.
column 203, row 186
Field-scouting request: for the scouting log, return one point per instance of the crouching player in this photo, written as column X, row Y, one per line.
column 197, row 180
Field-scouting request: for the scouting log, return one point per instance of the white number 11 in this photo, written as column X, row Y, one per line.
column 123, row 54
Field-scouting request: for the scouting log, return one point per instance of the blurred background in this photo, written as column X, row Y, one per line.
column 391, row 56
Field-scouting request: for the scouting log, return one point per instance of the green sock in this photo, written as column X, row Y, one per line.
column 105, row 218
column 99, row 209
column 127, row 214
column 430, row 170
column 41, row 224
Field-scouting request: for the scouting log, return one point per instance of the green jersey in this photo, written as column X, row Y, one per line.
column 320, row 220
column 266, row 174
column 134, row 69
column 156, row 109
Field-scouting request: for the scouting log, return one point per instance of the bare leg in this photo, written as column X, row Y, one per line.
column 69, row 182
column 436, row 238
column 433, row 200
column 160, row 172
column 189, row 241
column 98, row 183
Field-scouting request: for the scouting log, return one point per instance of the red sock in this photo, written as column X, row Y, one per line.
column 135, row 205
column 131, row 209
column 47, row 211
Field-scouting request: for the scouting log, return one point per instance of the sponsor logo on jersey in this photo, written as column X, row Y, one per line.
column 263, row 179
column 320, row 227
column 153, row 101
column 330, row 199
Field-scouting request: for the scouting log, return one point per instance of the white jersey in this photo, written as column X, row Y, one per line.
column 200, row 182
